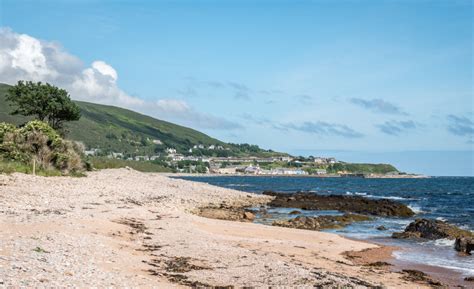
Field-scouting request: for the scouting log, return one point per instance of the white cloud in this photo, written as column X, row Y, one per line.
column 23, row 57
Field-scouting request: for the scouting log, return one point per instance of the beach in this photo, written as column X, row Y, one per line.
column 125, row 228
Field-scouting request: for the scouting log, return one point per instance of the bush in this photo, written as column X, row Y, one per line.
column 37, row 141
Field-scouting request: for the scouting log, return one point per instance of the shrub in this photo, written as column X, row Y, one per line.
column 39, row 142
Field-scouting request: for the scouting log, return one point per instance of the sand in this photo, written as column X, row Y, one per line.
column 129, row 229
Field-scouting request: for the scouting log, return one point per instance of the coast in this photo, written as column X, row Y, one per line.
column 125, row 228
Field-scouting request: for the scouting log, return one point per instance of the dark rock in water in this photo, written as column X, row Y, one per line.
column 321, row 222
column 295, row 212
column 354, row 204
column 464, row 245
column 381, row 228
column 431, row 230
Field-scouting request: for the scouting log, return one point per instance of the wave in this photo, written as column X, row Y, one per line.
column 464, row 266
column 238, row 185
column 415, row 208
column 380, row 197
column 444, row 243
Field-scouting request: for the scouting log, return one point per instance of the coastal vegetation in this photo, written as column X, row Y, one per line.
column 44, row 102
column 37, row 147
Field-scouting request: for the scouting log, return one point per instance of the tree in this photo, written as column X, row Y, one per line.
column 43, row 101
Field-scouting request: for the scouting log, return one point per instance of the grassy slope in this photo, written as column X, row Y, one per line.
column 121, row 130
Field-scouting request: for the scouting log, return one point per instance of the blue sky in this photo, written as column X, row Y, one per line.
column 368, row 81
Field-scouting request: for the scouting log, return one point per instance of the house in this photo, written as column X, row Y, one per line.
column 226, row 171
column 212, row 147
column 142, row 158
column 286, row 159
column 157, row 142
column 92, row 152
column 155, row 157
column 321, row 171
column 319, row 160
column 171, row 151
column 117, row 155
column 252, row 170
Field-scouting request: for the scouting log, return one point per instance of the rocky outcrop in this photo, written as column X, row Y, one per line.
column 321, row 222
column 224, row 213
column 353, row 204
column 464, row 245
column 431, row 230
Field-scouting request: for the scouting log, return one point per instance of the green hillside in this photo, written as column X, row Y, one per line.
column 114, row 129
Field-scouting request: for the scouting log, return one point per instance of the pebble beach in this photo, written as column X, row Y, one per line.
column 124, row 228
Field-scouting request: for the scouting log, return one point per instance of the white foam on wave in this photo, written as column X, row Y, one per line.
column 444, row 242
column 466, row 267
column 415, row 208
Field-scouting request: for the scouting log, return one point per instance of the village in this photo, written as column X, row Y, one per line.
column 249, row 165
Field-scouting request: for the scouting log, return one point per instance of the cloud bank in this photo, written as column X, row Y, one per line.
column 321, row 128
column 461, row 126
column 378, row 105
column 23, row 57
column 396, row 127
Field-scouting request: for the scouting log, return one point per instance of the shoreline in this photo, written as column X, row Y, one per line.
column 122, row 227
column 297, row 176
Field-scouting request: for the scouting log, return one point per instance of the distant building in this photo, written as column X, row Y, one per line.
column 252, row 170
column 321, row 172
column 92, row 152
column 226, row 171
column 142, row 158
column 320, row 160
column 157, row 142
column 171, row 151
column 117, row 155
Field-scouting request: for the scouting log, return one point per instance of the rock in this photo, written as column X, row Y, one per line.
column 353, row 204
column 224, row 213
column 321, row 222
column 469, row 279
column 381, row 228
column 295, row 212
column 300, row 222
column 464, row 245
column 431, row 230
column 249, row 216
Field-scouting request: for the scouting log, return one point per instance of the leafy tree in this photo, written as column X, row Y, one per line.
column 43, row 101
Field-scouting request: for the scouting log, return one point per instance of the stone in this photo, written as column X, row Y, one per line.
column 249, row 216
column 352, row 204
column 381, row 228
column 295, row 212
column 431, row 230
column 321, row 222
column 464, row 245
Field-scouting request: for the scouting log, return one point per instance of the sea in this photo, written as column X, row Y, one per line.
column 449, row 199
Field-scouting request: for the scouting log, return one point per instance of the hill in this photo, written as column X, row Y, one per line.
column 114, row 129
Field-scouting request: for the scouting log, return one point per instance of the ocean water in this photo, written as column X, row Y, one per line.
column 449, row 199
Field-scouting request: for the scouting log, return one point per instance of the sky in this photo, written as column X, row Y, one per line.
column 366, row 81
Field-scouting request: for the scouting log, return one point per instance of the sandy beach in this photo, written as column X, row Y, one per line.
column 130, row 229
